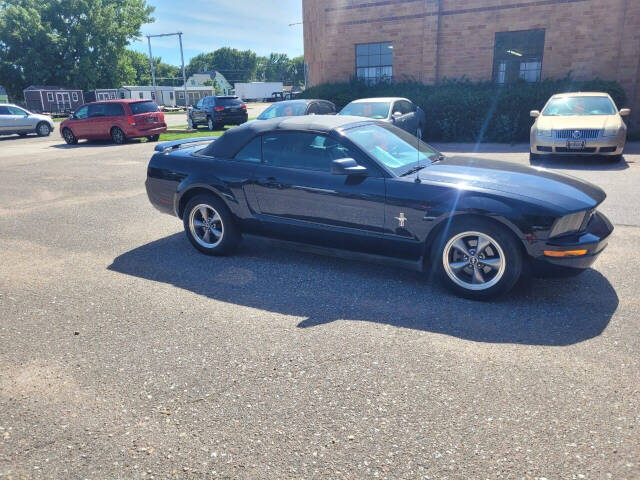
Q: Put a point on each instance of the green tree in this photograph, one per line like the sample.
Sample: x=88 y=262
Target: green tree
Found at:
x=217 y=89
x=68 y=42
x=133 y=69
x=235 y=65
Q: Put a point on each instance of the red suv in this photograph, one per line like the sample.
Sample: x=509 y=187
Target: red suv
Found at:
x=114 y=119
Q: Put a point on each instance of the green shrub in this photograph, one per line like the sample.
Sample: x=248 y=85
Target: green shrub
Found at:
x=465 y=111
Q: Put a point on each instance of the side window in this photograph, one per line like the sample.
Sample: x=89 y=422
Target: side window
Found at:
x=251 y=152
x=313 y=109
x=305 y=151
x=402 y=106
x=97 y=110
x=82 y=112
x=16 y=111
x=200 y=104
x=326 y=108
x=4 y=110
x=113 y=110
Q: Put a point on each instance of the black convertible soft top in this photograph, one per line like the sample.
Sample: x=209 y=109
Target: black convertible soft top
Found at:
x=233 y=140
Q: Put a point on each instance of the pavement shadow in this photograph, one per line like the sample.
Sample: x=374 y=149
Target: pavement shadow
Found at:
x=95 y=144
x=582 y=163
x=320 y=289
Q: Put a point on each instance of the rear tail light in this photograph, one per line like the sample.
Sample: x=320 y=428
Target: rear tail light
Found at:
x=244 y=107
x=219 y=109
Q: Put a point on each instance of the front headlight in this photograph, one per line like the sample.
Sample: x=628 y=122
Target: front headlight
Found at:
x=568 y=224
x=543 y=132
x=611 y=131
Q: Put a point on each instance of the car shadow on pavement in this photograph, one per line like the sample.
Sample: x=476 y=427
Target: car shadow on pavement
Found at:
x=320 y=289
x=582 y=163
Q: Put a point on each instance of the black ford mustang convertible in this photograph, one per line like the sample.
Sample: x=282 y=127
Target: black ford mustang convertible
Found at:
x=369 y=189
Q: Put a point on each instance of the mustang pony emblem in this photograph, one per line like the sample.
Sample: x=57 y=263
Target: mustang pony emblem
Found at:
x=401 y=219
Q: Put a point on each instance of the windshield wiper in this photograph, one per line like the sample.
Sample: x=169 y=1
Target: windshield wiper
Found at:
x=413 y=170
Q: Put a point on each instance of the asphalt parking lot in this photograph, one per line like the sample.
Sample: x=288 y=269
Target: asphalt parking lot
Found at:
x=124 y=354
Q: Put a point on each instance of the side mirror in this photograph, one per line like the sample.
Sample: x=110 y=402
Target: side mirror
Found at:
x=534 y=113
x=396 y=115
x=347 y=166
x=625 y=112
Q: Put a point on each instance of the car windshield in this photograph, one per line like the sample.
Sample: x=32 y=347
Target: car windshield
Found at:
x=396 y=149
x=143 y=107
x=289 y=109
x=377 y=110
x=578 y=106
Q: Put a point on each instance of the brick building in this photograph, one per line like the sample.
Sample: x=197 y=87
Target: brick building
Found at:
x=499 y=40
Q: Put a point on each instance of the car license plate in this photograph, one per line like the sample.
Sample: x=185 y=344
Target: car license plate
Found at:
x=575 y=144
x=233 y=109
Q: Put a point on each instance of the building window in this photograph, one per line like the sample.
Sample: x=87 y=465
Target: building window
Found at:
x=50 y=96
x=153 y=95
x=171 y=95
x=374 y=62
x=181 y=95
x=140 y=95
x=74 y=96
x=518 y=56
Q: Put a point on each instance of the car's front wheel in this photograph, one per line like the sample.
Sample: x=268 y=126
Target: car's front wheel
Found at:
x=209 y=225
x=43 y=129
x=69 y=137
x=117 y=136
x=153 y=138
x=477 y=259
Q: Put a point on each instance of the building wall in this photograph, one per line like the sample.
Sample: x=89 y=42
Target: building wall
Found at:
x=437 y=39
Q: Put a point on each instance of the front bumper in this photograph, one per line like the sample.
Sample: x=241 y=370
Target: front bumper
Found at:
x=600 y=146
x=594 y=240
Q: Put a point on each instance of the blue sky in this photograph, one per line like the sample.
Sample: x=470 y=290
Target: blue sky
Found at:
x=258 y=25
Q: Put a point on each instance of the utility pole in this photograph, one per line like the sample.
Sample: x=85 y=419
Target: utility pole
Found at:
x=153 y=70
x=184 y=77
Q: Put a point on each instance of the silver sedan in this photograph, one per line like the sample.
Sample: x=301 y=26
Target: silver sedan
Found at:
x=16 y=120
x=400 y=112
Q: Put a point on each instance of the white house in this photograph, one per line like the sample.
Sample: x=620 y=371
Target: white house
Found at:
x=198 y=80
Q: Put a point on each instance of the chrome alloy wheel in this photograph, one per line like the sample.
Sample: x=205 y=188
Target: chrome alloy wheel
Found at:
x=474 y=260
x=206 y=225
x=44 y=129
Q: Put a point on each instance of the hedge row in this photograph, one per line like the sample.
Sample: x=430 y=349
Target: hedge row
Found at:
x=465 y=111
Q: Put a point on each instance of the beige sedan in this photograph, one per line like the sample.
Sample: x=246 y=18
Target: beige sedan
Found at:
x=579 y=124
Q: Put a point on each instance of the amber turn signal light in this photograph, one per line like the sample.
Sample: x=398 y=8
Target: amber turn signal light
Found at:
x=565 y=253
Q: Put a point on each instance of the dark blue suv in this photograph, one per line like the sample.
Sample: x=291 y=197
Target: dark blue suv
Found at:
x=216 y=112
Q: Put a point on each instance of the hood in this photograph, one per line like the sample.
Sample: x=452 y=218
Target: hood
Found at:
x=562 y=192
x=598 y=122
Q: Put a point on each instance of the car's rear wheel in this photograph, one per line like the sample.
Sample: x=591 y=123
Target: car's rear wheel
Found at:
x=209 y=225
x=535 y=157
x=69 y=137
x=190 y=123
x=117 y=136
x=43 y=129
x=477 y=259
x=153 y=138
x=210 y=124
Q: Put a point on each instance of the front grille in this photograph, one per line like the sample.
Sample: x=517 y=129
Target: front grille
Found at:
x=578 y=134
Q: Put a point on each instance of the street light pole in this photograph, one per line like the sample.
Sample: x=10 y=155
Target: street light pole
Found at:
x=153 y=70
x=184 y=76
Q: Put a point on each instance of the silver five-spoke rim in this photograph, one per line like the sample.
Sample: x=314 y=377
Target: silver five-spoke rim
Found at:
x=68 y=136
x=474 y=260
x=206 y=225
x=44 y=129
x=118 y=135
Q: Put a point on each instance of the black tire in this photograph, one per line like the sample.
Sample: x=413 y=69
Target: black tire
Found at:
x=505 y=256
x=535 y=157
x=43 y=129
x=69 y=137
x=153 y=138
x=117 y=136
x=230 y=237
x=210 y=125
x=613 y=158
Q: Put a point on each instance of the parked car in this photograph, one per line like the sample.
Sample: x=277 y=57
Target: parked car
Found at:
x=401 y=112
x=295 y=108
x=16 y=120
x=579 y=123
x=216 y=112
x=345 y=184
x=118 y=120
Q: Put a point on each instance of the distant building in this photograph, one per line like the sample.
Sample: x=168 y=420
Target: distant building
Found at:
x=4 y=98
x=100 y=94
x=167 y=96
x=199 y=79
x=482 y=40
x=52 y=99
